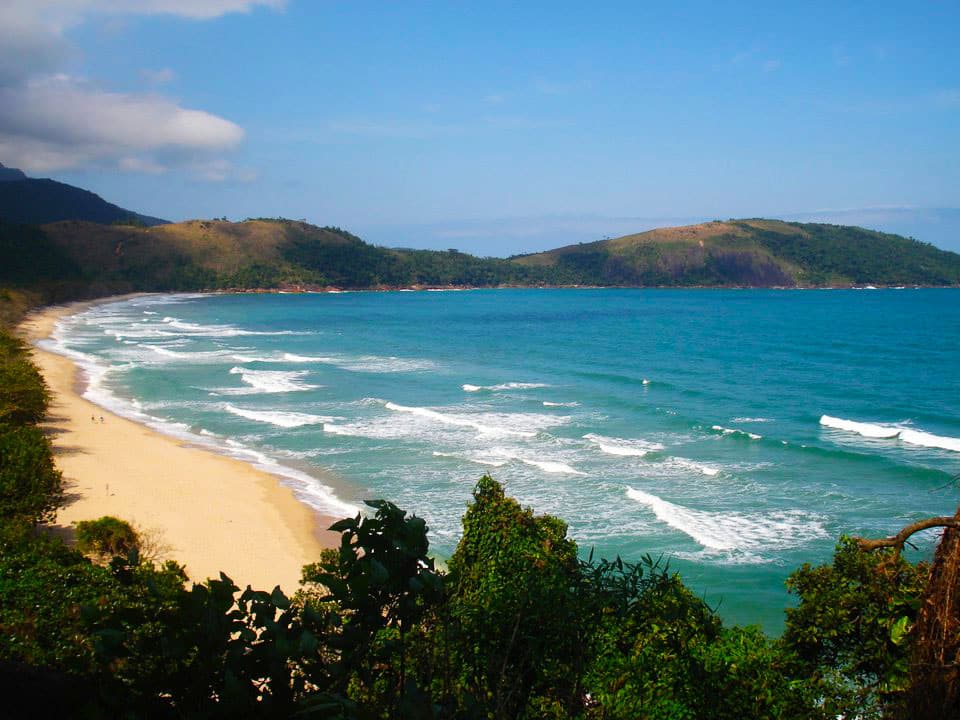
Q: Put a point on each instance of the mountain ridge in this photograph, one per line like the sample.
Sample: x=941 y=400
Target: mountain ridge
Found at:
x=38 y=201
x=271 y=253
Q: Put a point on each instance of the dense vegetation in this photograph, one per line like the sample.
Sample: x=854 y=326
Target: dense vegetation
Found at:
x=520 y=626
x=40 y=201
x=752 y=253
x=80 y=259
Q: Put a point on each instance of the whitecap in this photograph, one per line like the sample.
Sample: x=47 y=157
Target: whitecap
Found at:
x=503 y=386
x=694 y=465
x=272 y=381
x=458 y=420
x=869 y=430
x=547 y=403
x=730 y=532
x=473 y=459
x=735 y=432
x=200 y=330
x=278 y=417
x=548 y=466
x=890 y=432
x=626 y=448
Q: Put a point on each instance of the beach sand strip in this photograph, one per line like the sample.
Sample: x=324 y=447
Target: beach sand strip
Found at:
x=208 y=512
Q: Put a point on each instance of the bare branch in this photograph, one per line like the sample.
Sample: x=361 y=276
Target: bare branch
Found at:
x=897 y=541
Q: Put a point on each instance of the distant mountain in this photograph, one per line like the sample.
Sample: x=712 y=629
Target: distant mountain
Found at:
x=216 y=254
x=32 y=201
x=751 y=253
x=75 y=257
x=7 y=174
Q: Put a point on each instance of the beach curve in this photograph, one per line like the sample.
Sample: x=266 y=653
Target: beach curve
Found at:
x=210 y=512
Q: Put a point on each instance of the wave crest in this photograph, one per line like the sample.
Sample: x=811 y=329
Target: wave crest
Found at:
x=735 y=532
x=891 y=432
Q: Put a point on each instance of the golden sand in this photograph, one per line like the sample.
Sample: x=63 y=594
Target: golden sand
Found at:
x=212 y=513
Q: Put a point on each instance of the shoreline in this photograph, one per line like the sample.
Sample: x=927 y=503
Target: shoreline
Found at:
x=209 y=512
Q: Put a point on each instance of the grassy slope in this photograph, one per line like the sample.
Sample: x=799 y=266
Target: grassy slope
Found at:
x=210 y=254
x=80 y=259
x=755 y=253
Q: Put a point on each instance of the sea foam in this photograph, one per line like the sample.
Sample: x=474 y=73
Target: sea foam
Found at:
x=271 y=381
x=277 y=417
x=731 y=532
x=735 y=432
x=458 y=420
x=220 y=331
x=627 y=448
x=889 y=432
x=547 y=466
x=503 y=386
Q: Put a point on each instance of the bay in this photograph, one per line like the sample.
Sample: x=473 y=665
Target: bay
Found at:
x=735 y=433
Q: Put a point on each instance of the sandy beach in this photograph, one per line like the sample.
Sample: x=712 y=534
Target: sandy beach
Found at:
x=212 y=513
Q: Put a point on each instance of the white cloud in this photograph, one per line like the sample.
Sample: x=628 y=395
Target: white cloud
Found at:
x=51 y=121
x=56 y=16
x=135 y=132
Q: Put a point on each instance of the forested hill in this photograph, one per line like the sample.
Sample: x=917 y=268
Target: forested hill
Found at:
x=752 y=253
x=38 y=201
x=87 y=258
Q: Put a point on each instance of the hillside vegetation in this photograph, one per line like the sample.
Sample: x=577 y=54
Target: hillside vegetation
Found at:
x=79 y=259
x=30 y=200
x=214 y=254
x=751 y=253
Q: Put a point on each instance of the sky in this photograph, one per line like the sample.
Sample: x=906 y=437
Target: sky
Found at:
x=492 y=127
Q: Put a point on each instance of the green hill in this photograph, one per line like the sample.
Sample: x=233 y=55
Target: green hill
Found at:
x=215 y=254
x=33 y=201
x=751 y=253
x=72 y=258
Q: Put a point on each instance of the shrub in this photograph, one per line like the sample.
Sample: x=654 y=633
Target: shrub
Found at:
x=107 y=537
x=31 y=487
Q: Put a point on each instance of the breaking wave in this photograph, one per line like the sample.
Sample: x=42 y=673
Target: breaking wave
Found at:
x=271 y=381
x=277 y=417
x=890 y=432
x=503 y=386
x=732 y=532
x=628 y=448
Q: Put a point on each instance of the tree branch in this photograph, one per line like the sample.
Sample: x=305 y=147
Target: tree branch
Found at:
x=897 y=541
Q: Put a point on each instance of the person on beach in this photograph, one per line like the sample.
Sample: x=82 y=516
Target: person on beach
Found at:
x=101 y=419
x=92 y=419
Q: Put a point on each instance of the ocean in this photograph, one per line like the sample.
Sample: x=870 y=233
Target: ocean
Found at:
x=734 y=433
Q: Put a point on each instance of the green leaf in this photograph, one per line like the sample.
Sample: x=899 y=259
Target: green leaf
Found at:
x=899 y=630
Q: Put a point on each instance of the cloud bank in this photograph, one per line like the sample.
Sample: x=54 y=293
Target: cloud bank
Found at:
x=52 y=121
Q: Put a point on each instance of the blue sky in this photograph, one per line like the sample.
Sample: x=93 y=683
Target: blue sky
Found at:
x=493 y=127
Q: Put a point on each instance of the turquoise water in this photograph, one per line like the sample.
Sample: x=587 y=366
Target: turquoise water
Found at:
x=737 y=433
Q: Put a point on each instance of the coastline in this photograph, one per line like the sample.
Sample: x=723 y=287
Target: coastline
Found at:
x=209 y=512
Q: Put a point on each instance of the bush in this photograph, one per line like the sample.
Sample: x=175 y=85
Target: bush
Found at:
x=515 y=625
x=31 y=487
x=849 y=632
x=107 y=537
x=23 y=394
